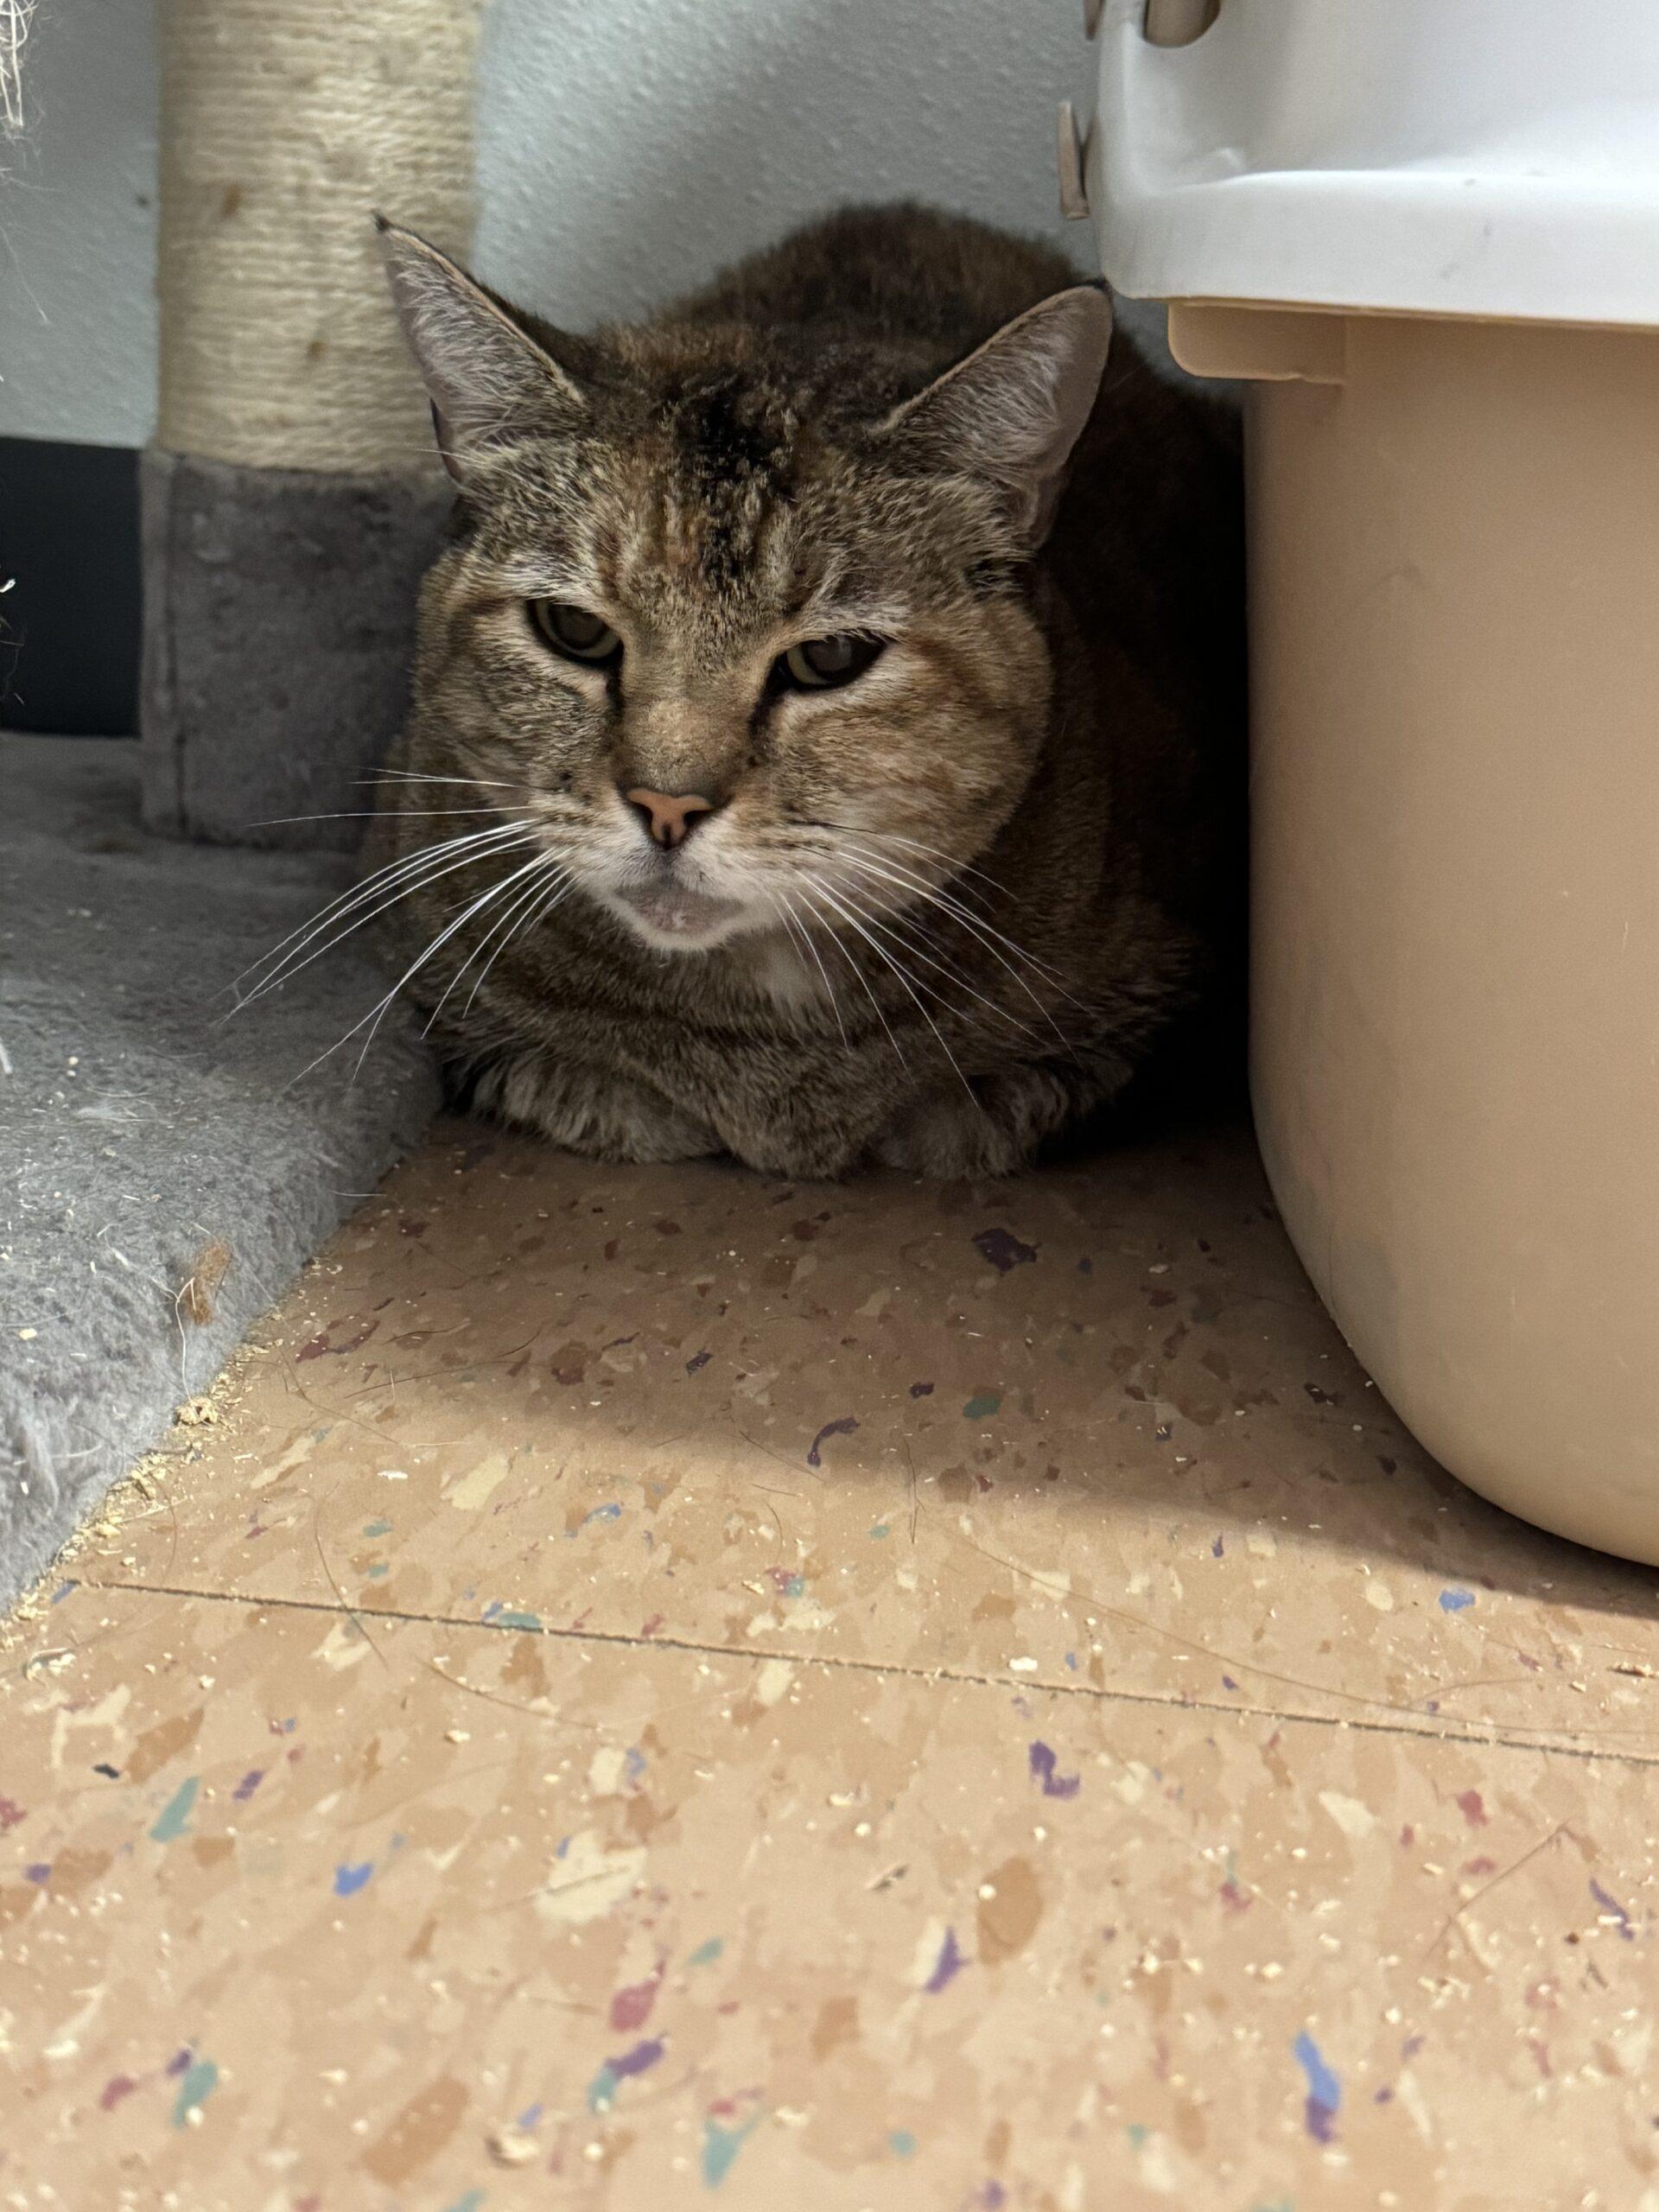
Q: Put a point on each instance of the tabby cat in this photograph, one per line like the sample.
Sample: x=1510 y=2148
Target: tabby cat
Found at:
x=827 y=707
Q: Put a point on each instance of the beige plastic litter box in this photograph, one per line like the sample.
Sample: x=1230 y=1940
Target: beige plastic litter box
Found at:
x=1427 y=236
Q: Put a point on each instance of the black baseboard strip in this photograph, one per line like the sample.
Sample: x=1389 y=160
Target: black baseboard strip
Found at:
x=69 y=613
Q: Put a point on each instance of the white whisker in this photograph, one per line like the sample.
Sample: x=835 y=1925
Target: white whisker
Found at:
x=954 y=869
x=374 y=899
x=513 y=905
x=810 y=943
x=380 y=892
x=800 y=934
x=551 y=901
x=410 y=776
x=882 y=952
x=911 y=937
x=373 y=1019
x=516 y=911
x=355 y=892
x=991 y=939
x=908 y=879
x=846 y=954
x=371 y=814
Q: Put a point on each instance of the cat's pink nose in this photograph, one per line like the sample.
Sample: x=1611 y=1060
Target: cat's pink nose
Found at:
x=670 y=817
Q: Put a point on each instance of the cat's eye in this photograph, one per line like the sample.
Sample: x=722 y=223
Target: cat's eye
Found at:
x=825 y=664
x=574 y=631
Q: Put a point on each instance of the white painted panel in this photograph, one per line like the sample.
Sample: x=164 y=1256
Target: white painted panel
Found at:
x=628 y=150
x=78 y=229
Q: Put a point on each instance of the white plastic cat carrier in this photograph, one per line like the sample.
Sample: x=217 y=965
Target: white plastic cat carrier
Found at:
x=1427 y=234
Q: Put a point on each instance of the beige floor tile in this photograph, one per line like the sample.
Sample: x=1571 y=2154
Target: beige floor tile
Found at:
x=299 y=1917
x=1088 y=1429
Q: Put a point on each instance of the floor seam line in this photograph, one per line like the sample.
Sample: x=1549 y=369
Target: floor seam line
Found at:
x=1090 y=1692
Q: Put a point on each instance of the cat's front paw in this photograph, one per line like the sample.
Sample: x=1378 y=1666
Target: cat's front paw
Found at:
x=953 y=1133
x=997 y=1125
x=585 y=1110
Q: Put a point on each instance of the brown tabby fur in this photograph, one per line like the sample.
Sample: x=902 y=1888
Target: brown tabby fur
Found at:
x=1051 y=743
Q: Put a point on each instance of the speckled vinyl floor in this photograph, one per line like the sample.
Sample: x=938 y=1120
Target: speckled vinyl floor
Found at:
x=656 y=1687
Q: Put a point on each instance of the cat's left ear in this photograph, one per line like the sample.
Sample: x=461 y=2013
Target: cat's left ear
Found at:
x=1013 y=410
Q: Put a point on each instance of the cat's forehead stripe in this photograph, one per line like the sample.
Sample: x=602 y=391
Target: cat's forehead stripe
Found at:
x=678 y=537
x=727 y=432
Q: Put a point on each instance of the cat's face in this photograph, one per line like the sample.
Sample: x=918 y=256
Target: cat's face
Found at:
x=740 y=637
x=728 y=711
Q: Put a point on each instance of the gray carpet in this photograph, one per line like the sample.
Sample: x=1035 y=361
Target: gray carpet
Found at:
x=164 y=1173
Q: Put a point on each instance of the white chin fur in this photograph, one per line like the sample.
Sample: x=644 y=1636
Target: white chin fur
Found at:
x=670 y=919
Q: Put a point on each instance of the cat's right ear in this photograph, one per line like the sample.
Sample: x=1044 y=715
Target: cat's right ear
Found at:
x=490 y=382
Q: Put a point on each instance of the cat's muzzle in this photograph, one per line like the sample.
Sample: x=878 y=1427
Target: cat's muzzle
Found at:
x=671 y=912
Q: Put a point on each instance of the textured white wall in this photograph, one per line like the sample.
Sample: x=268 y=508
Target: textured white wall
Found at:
x=627 y=148
x=78 y=229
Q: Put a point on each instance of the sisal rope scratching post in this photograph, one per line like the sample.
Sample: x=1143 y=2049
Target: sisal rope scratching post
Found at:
x=291 y=498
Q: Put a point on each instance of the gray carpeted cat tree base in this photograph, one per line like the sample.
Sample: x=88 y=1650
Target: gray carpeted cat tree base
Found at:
x=164 y=1170
x=279 y=618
